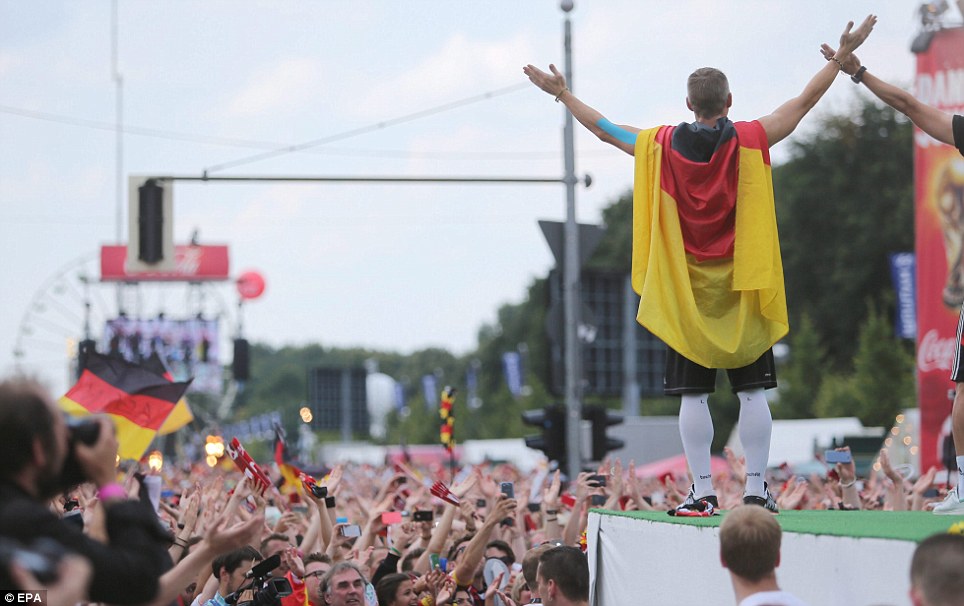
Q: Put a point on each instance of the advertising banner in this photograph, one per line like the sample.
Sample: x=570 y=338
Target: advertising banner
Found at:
x=191 y=263
x=939 y=224
x=902 y=274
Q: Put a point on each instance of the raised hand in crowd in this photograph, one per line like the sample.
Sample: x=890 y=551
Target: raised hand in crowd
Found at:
x=461 y=490
x=487 y=485
x=924 y=483
x=615 y=486
x=187 y=517
x=491 y=592
x=635 y=493
x=737 y=465
x=848 y=478
x=896 y=499
x=794 y=495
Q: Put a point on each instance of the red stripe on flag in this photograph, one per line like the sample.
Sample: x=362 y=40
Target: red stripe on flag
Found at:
x=98 y=396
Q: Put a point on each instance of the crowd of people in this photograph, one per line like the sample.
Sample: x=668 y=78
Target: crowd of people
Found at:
x=74 y=525
x=373 y=535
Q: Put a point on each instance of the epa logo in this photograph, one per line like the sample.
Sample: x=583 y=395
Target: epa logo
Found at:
x=25 y=597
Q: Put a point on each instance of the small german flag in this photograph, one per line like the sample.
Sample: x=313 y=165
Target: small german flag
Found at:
x=282 y=458
x=136 y=399
x=448 y=419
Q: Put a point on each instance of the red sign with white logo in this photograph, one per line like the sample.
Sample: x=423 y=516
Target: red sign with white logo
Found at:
x=191 y=264
x=939 y=241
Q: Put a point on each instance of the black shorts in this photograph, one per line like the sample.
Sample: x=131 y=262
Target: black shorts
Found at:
x=957 y=374
x=685 y=376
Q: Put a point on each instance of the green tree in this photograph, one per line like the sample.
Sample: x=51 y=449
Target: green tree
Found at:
x=882 y=383
x=845 y=201
x=883 y=372
x=801 y=377
x=837 y=397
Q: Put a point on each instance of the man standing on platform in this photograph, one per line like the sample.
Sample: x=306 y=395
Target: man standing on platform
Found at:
x=948 y=129
x=750 y=551
x=710 y=278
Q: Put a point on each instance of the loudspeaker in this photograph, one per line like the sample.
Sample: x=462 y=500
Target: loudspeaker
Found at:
x=241 y=366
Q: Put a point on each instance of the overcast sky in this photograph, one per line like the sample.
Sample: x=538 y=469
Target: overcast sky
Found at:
x=389 y=267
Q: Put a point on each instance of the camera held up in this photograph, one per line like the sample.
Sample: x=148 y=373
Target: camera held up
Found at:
x=83 y=430
x=263 y=590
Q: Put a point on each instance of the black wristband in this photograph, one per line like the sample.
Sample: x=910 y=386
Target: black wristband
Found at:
x=329 y=502
x=859 y=75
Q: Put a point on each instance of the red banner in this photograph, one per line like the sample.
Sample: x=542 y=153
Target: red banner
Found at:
x=191 y=264
x=939 y=242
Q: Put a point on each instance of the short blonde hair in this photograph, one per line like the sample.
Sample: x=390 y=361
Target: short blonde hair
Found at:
x=707 y=90
x=750 y=542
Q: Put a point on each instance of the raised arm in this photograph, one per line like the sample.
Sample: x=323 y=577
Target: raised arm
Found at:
x=929 y=119
x=623 y=137
x=779 y=124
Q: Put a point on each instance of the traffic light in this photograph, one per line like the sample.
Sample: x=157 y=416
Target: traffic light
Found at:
x=552 y=440
x=150 y=221
x=601 y=418
x=150 y=241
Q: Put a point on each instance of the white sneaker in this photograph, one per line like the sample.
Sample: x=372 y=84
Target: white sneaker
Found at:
x=951 y=505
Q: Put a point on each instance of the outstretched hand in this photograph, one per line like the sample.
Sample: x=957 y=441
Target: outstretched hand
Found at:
x=553 y=83
x=851 y=40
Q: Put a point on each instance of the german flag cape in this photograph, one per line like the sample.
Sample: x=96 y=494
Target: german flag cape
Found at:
x=720 y=307
x=137 y=400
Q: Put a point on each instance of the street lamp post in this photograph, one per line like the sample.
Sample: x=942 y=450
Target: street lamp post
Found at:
x=570 y=285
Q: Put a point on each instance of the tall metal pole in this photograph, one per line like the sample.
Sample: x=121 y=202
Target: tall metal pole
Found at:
x=119 y=123
x=119 y=138
x=570 y=284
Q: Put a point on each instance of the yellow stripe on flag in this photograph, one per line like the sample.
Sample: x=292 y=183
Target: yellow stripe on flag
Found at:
x=132 y=439
x=179 y=417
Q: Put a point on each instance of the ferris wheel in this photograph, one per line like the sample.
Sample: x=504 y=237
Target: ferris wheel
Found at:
x=74 y=305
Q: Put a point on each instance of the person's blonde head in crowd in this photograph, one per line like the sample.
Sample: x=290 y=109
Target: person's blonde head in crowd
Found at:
x=520 y=594
x=750 y=542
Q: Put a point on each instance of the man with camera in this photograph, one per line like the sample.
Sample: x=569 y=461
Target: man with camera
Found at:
x=36 y=446
x=231 y=570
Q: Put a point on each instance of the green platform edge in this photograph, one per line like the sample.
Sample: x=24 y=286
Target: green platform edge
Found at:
x=897 y=525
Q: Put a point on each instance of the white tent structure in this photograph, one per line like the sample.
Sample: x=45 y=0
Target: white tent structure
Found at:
x=795 y=441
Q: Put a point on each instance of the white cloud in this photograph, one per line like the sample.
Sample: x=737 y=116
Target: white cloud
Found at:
x=281 y=87
x=7 y=62
x=459 y=68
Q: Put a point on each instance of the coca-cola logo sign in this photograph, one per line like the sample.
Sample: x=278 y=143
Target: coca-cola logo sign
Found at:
x=935 y=353
x=188 y=260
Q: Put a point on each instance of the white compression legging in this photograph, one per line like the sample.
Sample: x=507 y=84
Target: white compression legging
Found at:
x=696 y=432
x=755 y=428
